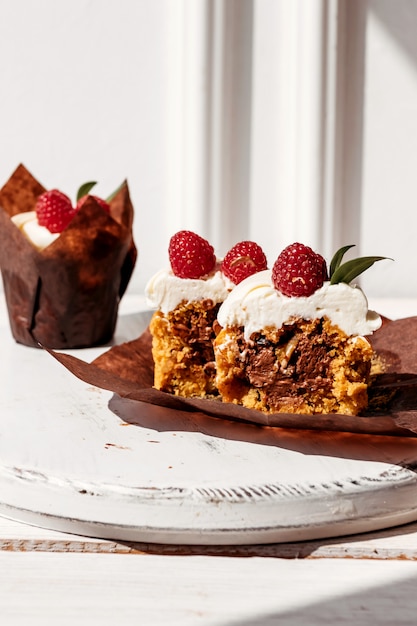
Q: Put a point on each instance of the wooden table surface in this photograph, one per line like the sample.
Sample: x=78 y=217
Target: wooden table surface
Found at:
x=47 y=577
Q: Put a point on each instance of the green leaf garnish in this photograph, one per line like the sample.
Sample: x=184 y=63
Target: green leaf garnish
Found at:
x=85 y=189
x=337 y=258
x=346 y=272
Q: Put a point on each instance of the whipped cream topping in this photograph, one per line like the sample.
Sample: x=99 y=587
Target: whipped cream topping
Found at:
x=255 y=304
x=165 y=291
x=38 y=235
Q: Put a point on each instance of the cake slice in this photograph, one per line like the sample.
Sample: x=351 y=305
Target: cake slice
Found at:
x=294 y=339
x=187 y=297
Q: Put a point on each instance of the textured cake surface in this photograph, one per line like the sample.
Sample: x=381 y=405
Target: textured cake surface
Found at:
x=301 y=367
x=182 y=349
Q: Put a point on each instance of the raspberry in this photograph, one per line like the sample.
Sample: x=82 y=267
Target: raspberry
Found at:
x=190 y=255
x=54 y=210
x=104 y=205
x=243 y=260
x=299 y=271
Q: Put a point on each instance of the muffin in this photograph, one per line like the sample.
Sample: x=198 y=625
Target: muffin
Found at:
x=187 y=297
x=64 y=268
x=293 y=339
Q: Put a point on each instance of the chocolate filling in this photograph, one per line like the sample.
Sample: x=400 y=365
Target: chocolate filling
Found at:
x=195 y=327
x=288 y=367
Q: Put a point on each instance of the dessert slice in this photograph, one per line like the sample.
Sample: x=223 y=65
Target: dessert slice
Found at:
x=293 y=339
x=187 y=297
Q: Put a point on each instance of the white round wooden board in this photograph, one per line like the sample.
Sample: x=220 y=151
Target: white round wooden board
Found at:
x=68 y=462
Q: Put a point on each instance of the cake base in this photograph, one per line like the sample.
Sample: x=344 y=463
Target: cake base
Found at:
x=182 y=349
x=303 y=367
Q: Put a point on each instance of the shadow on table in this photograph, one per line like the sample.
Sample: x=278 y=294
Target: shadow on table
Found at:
x=392 y=604
x=130 y=326
x=358 y=546
x=401 y=451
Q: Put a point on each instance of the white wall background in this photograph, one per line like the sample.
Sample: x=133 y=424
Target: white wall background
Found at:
x=83 y=97
x=389 y=147
x=277 y=120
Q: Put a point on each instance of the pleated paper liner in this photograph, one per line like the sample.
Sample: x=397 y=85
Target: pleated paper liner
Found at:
x=127 y=371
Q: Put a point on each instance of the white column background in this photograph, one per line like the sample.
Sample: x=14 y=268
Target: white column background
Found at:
x=274 y=120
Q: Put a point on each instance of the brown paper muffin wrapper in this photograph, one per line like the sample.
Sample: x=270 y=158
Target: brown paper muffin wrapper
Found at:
x=67 y=295
x=127 y=370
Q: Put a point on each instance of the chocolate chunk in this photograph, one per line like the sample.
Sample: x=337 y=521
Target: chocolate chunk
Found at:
x=260 y=368
x=289 y=367
x=312 y=356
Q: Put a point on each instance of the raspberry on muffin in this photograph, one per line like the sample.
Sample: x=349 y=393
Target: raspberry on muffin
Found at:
x=243 y=260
